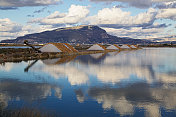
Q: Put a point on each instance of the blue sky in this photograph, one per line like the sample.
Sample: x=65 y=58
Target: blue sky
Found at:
x=140 y=19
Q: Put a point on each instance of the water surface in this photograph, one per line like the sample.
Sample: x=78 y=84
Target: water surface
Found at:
x=128 y=83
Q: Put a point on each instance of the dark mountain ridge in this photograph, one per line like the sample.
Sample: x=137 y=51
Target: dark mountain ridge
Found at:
x=84 y=34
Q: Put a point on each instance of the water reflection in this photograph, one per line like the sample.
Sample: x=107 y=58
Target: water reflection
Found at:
x=80 y=95
x=17 y=90
x=58 y=60
x=6 y=67
x=128 y=82
x=125 y=100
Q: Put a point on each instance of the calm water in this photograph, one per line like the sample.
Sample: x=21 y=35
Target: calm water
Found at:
x=130 y=83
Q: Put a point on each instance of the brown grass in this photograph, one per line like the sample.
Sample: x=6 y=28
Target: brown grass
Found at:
x=24 y=112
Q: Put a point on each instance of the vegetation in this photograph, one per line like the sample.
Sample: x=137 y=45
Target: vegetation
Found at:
x=15 y=44
x=25 y=112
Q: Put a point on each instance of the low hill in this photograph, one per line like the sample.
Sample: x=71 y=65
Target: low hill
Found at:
x=84 y=34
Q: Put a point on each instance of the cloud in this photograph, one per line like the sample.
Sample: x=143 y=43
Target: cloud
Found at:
x=6 y=25
x=143 y=25
x=116 y=18
x=167 y=14
x=112 y=19
x=156 y=26
x=8 y=8
x=137 y=3
x=152 y=31
x=121 y=23
x=30 y=15
x=11 y=30
x=23 y=3
x=166 y=5
x=40 y=10
x=119 y=6
x=75 y=14
x=134 y=3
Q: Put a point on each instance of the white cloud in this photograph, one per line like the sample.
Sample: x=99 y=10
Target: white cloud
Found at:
x=75 y=14
x=12 y=30
x=9 y=29
x=56 y=14
x=111 y=16
x=167 y=14
x=6 y=25
x=116 y=18
x=123 y=24
x=137 y=32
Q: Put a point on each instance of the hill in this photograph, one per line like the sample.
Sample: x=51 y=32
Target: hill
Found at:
x=84 y=34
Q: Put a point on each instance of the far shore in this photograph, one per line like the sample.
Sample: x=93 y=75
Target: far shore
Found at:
x=82 y=45
x=25 y=54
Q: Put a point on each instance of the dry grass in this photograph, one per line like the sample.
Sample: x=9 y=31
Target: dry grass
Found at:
x=24 y=112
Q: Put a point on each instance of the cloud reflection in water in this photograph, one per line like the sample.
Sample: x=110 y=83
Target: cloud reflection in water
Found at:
x=17 y=90
x=122 y=81
x=140 y=95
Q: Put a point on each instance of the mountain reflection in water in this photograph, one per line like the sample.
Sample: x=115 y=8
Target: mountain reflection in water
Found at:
x=135 y=83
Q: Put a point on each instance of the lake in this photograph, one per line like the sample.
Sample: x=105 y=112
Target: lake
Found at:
x=127 y=83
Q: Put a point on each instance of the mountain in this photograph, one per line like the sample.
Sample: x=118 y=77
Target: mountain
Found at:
x=84 y=34
x=166 y=40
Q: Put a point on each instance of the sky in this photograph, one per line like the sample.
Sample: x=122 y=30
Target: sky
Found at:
x=139 y=19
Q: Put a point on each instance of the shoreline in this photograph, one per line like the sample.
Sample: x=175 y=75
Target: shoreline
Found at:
x=25 y=54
